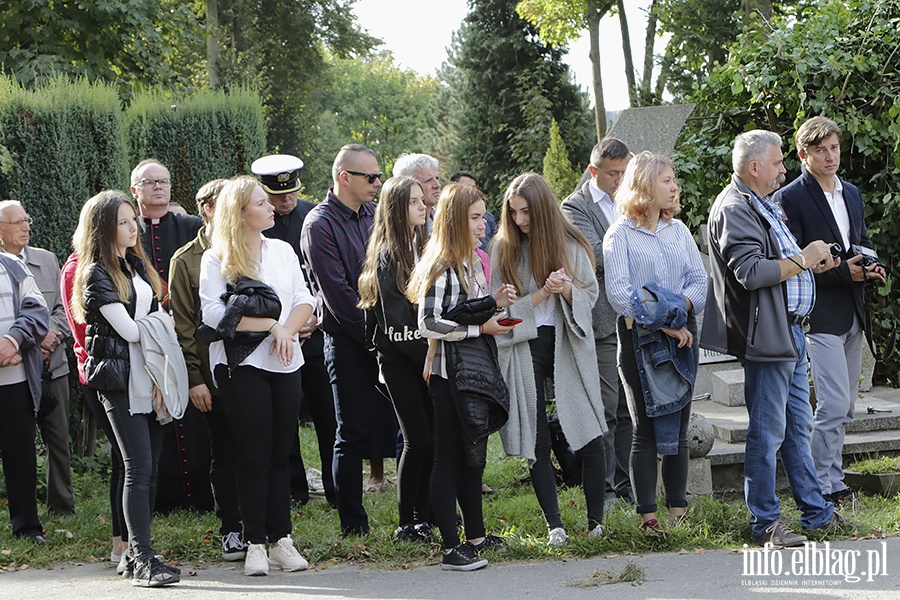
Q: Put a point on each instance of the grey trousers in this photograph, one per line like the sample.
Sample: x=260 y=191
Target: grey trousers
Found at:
x=617 y=441
x=55 y=433
x=836 y=362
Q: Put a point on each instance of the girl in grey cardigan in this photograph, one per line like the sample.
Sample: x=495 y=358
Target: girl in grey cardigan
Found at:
x=551 y=265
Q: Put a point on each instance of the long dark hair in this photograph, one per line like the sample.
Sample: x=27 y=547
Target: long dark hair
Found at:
x=97 y=244
x=549 y=232
x=393 y=239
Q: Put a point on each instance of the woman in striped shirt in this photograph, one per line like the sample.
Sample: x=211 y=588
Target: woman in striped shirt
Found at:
x=648 y=245
x=449 y=273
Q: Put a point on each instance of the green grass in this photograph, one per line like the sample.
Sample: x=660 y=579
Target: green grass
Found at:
x=713 y=522
x=877 y=466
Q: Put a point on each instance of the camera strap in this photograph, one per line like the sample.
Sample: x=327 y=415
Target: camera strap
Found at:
x=867 y=327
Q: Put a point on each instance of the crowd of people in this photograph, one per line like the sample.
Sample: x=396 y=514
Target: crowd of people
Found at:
x=413 y=332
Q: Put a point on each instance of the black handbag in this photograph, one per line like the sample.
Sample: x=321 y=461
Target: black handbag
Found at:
x=48 y=400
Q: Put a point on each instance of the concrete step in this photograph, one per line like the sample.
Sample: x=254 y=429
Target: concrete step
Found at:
x=730 y=422
x=727 y=459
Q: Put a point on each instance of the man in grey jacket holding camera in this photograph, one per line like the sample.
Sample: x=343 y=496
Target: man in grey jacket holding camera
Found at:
x=761 y=294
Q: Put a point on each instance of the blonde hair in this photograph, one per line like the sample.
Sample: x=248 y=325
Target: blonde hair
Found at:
x=548 y=233
x=229 y=230
x=95 y=242
x=638 y=189
x=450 y=245
x=393 y=239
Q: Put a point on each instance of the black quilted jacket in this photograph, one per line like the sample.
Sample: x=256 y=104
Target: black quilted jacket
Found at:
x=107 y=366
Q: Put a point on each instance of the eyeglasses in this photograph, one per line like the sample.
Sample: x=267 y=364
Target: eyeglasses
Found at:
x=370 y=176
x=27 y=220
x=153 y=182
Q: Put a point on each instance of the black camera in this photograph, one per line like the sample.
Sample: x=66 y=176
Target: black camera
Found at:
x=869 y=256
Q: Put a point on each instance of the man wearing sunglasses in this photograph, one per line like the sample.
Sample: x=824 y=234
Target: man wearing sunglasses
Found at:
x=333 y=242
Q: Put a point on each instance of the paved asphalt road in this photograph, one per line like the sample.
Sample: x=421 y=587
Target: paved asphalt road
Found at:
x=712 y=575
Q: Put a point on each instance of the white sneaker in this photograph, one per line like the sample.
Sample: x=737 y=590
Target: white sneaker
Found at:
x=283 y=555
x=256 y=562
x=557 y=537
x=596 y=532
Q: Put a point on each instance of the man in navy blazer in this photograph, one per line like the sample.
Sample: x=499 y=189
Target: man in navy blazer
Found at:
x=819 y=205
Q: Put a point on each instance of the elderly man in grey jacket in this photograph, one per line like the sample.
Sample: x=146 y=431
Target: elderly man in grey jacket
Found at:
x=15 y=233
x=24 y=321
x=591 y=208
x=758 y=304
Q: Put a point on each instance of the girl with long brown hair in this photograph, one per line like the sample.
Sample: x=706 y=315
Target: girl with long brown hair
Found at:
x=448 y=274
x=398 y=238
x=113 y=287
x=551 y=265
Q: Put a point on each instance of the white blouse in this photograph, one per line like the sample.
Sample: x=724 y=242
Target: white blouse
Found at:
x=280 y=269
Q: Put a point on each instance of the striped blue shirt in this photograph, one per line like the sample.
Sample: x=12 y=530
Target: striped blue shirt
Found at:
x=634 y=256
x=801 y=288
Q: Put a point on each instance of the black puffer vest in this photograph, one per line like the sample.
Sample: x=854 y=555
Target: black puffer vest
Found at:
x=107 y=366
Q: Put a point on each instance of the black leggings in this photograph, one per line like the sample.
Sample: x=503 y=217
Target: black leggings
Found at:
x=117 y=467
x=453 y=479
x=593 y=457
x=643 y=449
x=140 y=441
x=262 y=408
x=415 y=412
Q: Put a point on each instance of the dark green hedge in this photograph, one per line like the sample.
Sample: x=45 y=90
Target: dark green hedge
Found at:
x=203 y=137
x=63 y=142
x=59 y=145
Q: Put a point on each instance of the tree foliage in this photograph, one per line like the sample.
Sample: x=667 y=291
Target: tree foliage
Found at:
x=128 y=42
x=841 y=61
x=558 y=171
x=281 y=46
x=509 y=87
x=373 y=102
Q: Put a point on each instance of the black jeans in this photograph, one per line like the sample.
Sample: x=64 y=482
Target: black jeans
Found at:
x=140 y=441
x=359 y=407
x=19 y=459
x=593 y=457
x=318 y=400
x=117 y=466
x=643 y=450
x=262 y=408
x=415 y=412
x=223 y=468
x=452 y=479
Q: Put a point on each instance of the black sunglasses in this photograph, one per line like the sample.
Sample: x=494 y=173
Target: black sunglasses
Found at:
x=370 y=176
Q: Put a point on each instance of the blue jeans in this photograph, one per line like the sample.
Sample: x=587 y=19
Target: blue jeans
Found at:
x=777 y=397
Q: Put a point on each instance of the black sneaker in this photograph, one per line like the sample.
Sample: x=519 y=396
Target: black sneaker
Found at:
x=409 y=533
x=462 y=558
x=232 y=547
x=424 y=530
x=490 y=542
x=839 y=498
x=154 y=573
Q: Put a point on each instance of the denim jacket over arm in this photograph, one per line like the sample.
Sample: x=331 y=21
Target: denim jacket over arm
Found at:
x=666 y=371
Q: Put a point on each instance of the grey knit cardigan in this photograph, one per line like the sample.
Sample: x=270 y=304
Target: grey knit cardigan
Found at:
x=575 y=374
